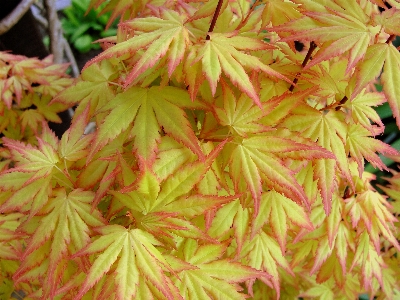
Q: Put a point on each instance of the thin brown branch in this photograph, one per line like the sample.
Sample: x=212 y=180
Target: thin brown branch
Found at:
x=343 y=101
x=253 y=6
x=305 y=61
x=390 y=39
x=55 y=31
x=214 y=19
x=12 y=18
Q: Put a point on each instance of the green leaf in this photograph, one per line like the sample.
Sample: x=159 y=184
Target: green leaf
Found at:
x=137 y=256
x=149 y=111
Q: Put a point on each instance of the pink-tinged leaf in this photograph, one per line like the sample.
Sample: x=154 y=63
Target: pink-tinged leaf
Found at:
x=197 y=204
x=67 y=226
x=34 y=194
x=323 y=252
x=333 y=219
x=241 y=225
x=134 y=246
x=208 y=9
x=391 y=78
x=389 y=19
x=172 y=118
x=342 y=33
x=202 y=254
x=74 y=144
x=187 y=229
x=279 y=177
x=158 y=37
x=324 y=173
x=41 y=160
x=361 y=146
x=213 y=277
x=241 y=114
x=231 y=271
x=362 y=110
x=223 y=52
x=341 y=245
x=276 y=209
x=93 y=89
x=279 y=12
x=243 y=167
x=370 y=67
x=222 y=222
x=287 y=102
x=329 y=131
x=123 y=111
x=184 y=179
x=149 y=111
x=264 y=254
x=356 y=44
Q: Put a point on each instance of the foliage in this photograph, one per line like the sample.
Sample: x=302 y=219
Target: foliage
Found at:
x=82 y=27
x=27 y=85
x=224 y=165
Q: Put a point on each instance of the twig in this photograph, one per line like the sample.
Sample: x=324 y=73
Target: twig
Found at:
x=12 y=18
x=54 y=31
x=390 y=39
x=253 y=6
x=305 y=61
x=214 y=19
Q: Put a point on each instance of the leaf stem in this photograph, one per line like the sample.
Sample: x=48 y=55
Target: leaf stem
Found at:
x=214 y=19
x=253 y=6
x=390 y=38
x=343 y=101
x=305 y=61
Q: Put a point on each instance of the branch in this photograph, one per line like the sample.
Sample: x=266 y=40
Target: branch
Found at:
x=390 y=39
x=55 y=32
x=305 y=61
x=12 y=18
x=214 y=19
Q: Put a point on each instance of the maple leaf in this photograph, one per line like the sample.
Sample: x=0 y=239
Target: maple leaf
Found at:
x=182 y=182
x=67 y=226
x=148 y=109
x=263 y=253
x=329 y=131
x=278 y=12
x=206 y=277
x=371 y=66
x=241 y=115
x=276 y=209
x=93 y=89
x=368 y=257
x=362 y=111
x=389 y=20
x=161 y=36
x=371 y=208
x=224 y=52
x=257 y=159
x=390 y=77
x=138 y=257
x=73 y=144
x=38 y=164
x=361 y=146
x=195 y=205
x=337 y=31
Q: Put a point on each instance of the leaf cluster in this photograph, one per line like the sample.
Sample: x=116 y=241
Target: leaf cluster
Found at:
x=224 y=165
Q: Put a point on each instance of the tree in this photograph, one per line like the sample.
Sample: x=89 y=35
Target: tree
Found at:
x=224 y=163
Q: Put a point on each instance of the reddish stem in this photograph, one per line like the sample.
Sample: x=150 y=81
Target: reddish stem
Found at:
x=343 y=101
x=305 y=61
x=214 y=19
x=390 y=39
x=253 y=6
